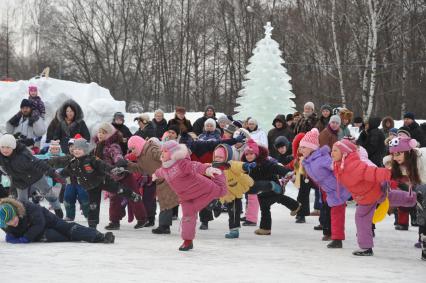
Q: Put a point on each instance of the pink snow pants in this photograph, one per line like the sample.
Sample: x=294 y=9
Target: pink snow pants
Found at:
x=190 y=208
x=252 y=211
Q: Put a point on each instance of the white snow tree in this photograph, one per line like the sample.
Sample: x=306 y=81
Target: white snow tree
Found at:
x=266 y=90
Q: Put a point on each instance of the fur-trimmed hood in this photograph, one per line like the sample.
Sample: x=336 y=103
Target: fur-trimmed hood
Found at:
x=61 y=113
x=346 y=114
x=20 y=209
x=388 y=119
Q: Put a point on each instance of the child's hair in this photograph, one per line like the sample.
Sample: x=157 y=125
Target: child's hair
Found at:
x=410 y=163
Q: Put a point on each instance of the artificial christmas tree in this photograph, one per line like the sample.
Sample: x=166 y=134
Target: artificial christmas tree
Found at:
x=266 y=90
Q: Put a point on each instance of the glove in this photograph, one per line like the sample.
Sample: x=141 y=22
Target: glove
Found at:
x=154 y=177
x=247 y=166
x=117 y=171
x=58 y=178
x=12 y=240
x=211 y=172
x=121 y=163
x=241 y=138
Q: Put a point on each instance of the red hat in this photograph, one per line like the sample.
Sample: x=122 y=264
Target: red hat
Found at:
x=251 y=146
x=295 y=144
x=346 y=146
x=311 y=139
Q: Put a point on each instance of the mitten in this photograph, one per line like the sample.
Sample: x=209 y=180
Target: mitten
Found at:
x=211 y=172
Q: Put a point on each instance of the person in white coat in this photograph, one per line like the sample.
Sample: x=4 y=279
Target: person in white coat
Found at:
x=258 y=135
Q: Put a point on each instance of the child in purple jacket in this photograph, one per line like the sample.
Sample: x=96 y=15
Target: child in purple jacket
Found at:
x=38 y=105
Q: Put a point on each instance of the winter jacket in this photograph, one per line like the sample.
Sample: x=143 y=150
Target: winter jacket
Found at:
x=318 y=166
x=23 y=168
x=417 y=133
x=373 y=141
x=160 y=128
x=147 y=132
x=38 y=106
x=305 y=124
x=328 y=137
x=66 y=131
x=109 y=151
x=210 y=136
x=33 y=220
x=199 y=124
x=147 y=163
x=259 y=136
x=274 y=133
x=89 y=170
x=238 y=182
x=385 y=130
x=186 y=178
x=125 y=135
x=322 y=123
x=362 y=181
x=184 y=125
x=421 y=205
x=21 y=126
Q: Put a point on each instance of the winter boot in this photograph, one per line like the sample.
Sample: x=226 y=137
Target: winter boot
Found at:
x=326 y=238
x=401 y=227
x=294 y=212
x=249 y=223
x=262 y=232
x=59 y=213
x=186 y=246
x=150 y=222
x=217 y=211
x=113 y=226
x=161 y=230
x=363 y=252
x=318 y=227
x=316 y=212
x=243 y=219
x=109 y=238
x=424 y=255
x=300 y=219
x=233 y=234
x=335 y=244
x=204 y=226
x=140 y=224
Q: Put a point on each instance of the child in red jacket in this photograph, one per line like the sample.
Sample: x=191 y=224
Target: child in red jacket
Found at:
x=365 y=184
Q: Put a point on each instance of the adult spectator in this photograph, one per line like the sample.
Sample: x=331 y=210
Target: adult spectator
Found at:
x=209 y=112
x=325 y=117
x=146 y=127
x=118 y=123
x=415 y=131
x=160 y=123
x=258 y=135
x=372 y=139
x=387 y=124
x=180 y=121
x=70 y=116
x=308 y=120
x=346 y=117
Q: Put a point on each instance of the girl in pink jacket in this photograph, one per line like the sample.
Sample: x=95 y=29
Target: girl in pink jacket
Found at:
x=190 y=181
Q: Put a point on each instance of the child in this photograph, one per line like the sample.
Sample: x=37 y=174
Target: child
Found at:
x=238 y=183
x=93 y=175
x=38 y=105
x=188 y=179
x=266 y=172
x=283 y=147
x=26 y=172
x=210 y=132
x=317 y=163
x=364 y=183
x=27 y=222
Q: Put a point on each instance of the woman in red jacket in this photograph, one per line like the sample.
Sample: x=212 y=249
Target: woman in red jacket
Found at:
x=365 y=184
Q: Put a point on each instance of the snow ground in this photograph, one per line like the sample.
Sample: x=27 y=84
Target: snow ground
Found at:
x=293 y=253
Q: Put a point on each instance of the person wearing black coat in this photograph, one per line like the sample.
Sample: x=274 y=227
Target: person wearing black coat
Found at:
x=280 y=129
x=70 y=116
x=160 y=123
x=27 y=222
x=414 y=128
x=146 y=127
x=373 y=139
x=118 y=123
x=26 y=172
x=180 y=121
x=209 y=112
x=283 y=147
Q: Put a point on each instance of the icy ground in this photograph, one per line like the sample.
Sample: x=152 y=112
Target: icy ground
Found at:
x=293 y=253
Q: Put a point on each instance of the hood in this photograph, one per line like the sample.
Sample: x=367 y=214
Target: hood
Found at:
x=388 y=119
x=374 y=123
x=228 y=150
x=296 y=142
x=79 y=116
x=20 y=209
x=280 y=118
x=281 y=141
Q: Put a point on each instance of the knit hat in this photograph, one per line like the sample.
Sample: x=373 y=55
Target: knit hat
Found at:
x=336 y=118
x=223 y=150
x=386 y=159
x=237 y=123
x=251 y=146
x=210 y=121
x=404 y=131
x=7 y=212
x=32 y=88
x=358 y=120
x=296 y=114
x=26 y=103
x=311 y=139
x=180 y=109
x=231 y=129
x=327 y=107
x=71 y=141
x=409 y=115
x=209 y=107
x=393 y=131
x=346 y=146
x=54 y=145
x=118 y=115
x=136 y=143
x=224 y=119
x=310 y=105
x=108 y=128
x=289 y=117
x=144 y=118
x=82 y=144
x=281 y=141
x=177 y=151
x=401 y=144
x=175 y=129
x=7 y=140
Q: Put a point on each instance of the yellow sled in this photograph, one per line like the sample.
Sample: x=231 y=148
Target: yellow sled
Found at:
x=381 y=211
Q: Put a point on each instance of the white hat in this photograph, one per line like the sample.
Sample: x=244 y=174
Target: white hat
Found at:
x=7 y=140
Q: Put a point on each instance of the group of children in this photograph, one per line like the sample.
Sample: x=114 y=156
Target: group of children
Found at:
x=238 y=166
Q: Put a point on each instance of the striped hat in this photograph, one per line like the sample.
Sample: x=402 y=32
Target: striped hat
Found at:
x=7 y=213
